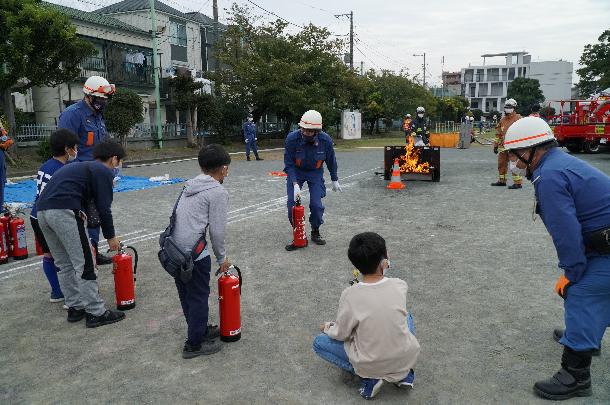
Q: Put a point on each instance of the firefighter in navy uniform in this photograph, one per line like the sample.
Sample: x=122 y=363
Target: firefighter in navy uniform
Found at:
x=419 y=129
x=573 y=200
x=305 y=152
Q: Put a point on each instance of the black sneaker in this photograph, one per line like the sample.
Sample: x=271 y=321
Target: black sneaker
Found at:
x=102 y=260
x=515 y=187
x=499 y=184
x=259 y=158
x=316 y=238
x=213 y=332
x=75 y=315
x=106 y=318
x=208 y=346
x=292 y=247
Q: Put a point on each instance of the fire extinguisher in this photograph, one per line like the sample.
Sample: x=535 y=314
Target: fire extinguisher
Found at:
x=124 y=267
x=5 y=220
x=3 y=245
x=229 y=297
x=299 y=237
x=18 y=242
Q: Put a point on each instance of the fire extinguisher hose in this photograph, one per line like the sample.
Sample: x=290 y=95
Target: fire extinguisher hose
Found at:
x=135 y=260
x=239 y=276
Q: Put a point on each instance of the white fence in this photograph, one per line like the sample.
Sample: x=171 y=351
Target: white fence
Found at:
x=448 y=126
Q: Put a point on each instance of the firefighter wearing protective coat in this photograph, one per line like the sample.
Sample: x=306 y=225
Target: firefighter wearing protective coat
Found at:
x=419 y=129
x=86 y=120
x=305 y=152
x=573 y=200
x=250 y=138
x=510 y=117
x=406 y=127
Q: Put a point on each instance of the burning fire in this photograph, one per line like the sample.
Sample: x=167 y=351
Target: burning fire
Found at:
x=411 y=160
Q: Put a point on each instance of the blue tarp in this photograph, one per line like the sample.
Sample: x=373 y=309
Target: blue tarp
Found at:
x=25 y=191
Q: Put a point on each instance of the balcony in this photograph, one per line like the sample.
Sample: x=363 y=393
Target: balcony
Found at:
x=117 y=72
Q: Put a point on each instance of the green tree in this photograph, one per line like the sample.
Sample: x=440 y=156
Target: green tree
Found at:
x=38 y=47
x=595 y=71
x=452 y=108
x=477 y=114
x=123 y=112
x=219 y=115
x=527 y=93
x=186 y=93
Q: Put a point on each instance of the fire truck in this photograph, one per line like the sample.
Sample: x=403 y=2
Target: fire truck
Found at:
x=583 y=125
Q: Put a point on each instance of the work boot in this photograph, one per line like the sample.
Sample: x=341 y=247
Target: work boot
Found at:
x=515 y=187
x=208 y=346
x=316 y=238
x=248 y=158
x=212 y=332
x=102 y=260
x=499 y=184
x=558 y=334
x=106 y=318
x=75 y=315
x=259 y=158
x=572 y=380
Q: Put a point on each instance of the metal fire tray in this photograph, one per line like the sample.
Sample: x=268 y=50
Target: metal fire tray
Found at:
x=430 y=154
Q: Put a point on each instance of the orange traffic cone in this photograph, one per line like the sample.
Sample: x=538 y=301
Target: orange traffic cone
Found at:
x=395 y=182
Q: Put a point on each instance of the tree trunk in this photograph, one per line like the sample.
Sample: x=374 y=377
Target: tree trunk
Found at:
x=377 y=127
x=189 y=129
x=9 y=111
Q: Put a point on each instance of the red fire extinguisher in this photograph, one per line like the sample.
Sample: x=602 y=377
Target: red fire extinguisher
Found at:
x=18 y=243
x=3 y=245
x=124 y=267
x=5 y=220
x=299 y=237
x=229 y=297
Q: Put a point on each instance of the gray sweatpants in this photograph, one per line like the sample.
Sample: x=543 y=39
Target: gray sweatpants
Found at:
x=69 y=244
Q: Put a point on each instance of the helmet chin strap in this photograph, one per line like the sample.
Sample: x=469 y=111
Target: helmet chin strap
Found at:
x=528 y=163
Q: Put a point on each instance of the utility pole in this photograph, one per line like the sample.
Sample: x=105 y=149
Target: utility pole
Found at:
x=153 y=20
x=361 y=68
x=215 y=43
x=351 y=37
x=424 y=55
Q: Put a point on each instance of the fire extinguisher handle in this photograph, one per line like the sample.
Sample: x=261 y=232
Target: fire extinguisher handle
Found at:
x=135 y=259
x=238 y=276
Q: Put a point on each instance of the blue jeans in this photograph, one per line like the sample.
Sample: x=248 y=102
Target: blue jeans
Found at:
x=194 y=300
x=251 y=144
x=333 y=350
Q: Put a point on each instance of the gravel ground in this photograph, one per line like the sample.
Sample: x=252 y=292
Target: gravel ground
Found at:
x=480 y=275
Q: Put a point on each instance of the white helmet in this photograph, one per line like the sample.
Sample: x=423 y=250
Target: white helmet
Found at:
x=97 y=86
x=408 y=115
x=421 y=109
x=471 y=118
x=311 y=120
x=511 y=102
x=527 y=132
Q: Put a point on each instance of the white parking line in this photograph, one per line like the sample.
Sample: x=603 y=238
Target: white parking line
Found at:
x=264 y=207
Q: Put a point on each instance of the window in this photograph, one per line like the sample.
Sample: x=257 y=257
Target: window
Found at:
x=177 y=34
x=474 y=104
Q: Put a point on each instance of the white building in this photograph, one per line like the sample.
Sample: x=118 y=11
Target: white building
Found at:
x=486 y=86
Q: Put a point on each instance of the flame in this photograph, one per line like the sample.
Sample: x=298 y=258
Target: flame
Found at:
x=411 y=160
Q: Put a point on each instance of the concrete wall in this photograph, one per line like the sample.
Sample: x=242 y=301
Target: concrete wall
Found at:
x=555 y=79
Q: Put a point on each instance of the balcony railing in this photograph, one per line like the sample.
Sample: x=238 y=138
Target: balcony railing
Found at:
x=116 y=72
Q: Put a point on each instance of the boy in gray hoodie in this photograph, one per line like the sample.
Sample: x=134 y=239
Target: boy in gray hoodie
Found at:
x=202 y=211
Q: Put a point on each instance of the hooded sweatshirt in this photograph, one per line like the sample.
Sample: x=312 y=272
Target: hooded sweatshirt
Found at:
x=204 y=203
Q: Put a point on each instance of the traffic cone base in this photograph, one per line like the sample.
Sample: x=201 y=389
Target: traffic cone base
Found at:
x=395 y=181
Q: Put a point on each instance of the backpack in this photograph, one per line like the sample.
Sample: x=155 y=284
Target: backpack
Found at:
x=175 y=261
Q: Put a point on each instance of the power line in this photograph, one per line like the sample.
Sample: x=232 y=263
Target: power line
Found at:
x=275 y=15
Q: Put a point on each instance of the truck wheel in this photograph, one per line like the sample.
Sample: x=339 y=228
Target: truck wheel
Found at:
x=591 y=147
x=574 y=147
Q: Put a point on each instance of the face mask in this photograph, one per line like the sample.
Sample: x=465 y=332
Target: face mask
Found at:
x=72 y=158
x=420 y=115
x=385 y=269
x=509 y=110
x=250 y=120
x=99 y=104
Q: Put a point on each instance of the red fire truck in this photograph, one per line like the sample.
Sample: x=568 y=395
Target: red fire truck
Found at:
x=583 y=125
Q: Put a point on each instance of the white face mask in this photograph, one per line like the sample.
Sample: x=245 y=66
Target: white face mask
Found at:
x=420 y=115
x=509 y=110
x=385 y=269
x=250 y=119
x=72 y=158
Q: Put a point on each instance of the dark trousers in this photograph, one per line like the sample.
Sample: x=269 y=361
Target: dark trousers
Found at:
x=194 y=300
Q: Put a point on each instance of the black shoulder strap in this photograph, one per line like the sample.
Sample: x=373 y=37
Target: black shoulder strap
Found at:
x=89 y=187
x=172 y=219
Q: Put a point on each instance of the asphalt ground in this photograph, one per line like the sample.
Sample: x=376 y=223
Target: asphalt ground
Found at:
x=480 y=274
